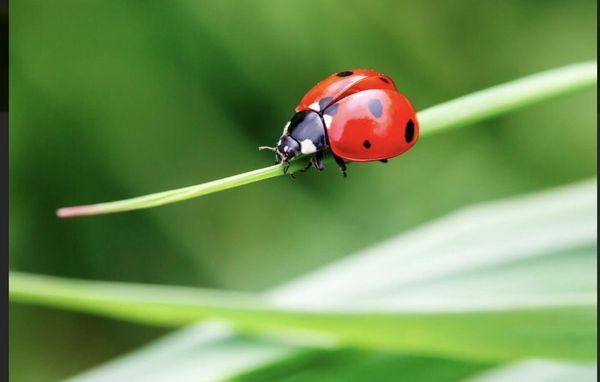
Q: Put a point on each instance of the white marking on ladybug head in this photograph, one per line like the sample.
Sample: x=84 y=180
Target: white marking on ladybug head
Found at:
x=307 y=147
x=286 y=148
x=285 y=129
x=315 y=106
x=327 y=119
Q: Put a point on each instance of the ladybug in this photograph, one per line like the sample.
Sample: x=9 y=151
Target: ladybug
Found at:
x=359 y=114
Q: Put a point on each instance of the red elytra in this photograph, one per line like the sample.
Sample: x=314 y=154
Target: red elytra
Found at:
x=366 y=118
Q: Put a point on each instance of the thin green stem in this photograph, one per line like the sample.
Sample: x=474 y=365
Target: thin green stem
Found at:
x=506 y=97
x=462 y=111
x=172 y=196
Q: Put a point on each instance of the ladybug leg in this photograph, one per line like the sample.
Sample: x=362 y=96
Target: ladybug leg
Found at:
x=286 y=167
x=384 y=161
x=341 y=165
x=317 y=161
x=305 y=169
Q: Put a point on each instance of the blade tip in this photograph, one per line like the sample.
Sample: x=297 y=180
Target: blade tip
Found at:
x=71 y=212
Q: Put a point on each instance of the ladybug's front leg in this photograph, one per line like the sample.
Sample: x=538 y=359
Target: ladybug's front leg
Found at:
x=286 y=167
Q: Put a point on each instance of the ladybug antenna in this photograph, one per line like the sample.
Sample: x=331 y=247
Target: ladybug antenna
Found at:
x=266 y=148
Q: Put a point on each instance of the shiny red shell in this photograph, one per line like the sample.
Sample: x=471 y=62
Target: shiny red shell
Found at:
x=366 y=118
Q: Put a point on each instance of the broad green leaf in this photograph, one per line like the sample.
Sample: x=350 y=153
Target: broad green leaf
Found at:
x=213 y=352
x=355 y=365
x=351 y=365
x=500 y=281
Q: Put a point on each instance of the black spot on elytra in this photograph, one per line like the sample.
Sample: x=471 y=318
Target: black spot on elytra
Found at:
x=375 y=107
x=331 y=110
x=409 y=132
x=384 y=80
x=345 y=73
x=324 y=102
x=367 y=144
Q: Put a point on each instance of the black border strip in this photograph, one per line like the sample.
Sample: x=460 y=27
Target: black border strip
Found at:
x=4 y=55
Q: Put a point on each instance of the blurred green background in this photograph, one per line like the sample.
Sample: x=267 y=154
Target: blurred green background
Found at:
x=111 y=99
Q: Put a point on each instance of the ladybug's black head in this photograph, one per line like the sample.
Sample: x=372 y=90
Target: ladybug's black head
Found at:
x=303 y=134
x=287 y=148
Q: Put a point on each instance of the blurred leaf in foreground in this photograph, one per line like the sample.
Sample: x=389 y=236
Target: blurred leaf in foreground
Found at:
x=213 y=352
x=500 y=281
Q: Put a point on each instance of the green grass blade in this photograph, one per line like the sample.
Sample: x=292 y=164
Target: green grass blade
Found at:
x=350 y=365
x=491 y=334
x=459 y=287
x=356 y=365
x=213 y=352
x=503 y=98
x=459 y=112
x=172 y=196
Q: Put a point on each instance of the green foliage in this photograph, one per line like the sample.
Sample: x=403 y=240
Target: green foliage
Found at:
x=461 y=290
x=353 y=365
x=112 y=98
x=213 y=352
